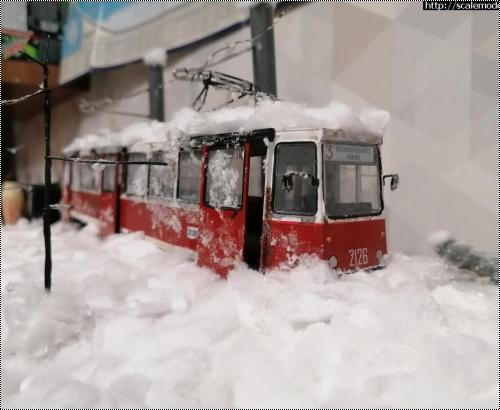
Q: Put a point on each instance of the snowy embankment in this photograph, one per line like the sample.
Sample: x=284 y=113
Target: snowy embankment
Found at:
x=129 y=325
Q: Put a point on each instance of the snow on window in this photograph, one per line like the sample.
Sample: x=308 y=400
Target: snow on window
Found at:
x=189 y=176
x=137 y=175
x=225 y=178
x=297 y=162
x=161 y=177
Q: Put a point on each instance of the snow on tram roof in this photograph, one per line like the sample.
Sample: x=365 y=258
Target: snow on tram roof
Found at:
x=268 y=114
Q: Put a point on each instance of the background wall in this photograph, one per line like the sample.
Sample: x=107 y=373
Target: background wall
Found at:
x=435 y=72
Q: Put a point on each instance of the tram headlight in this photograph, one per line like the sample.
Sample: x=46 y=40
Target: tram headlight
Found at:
x=333 y=262
x=380 y=256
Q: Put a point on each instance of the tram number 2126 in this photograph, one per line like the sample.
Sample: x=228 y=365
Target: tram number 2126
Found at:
x=358 y=257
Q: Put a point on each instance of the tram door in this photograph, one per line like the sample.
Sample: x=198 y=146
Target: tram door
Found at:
x=224 y=206
x=108 y=210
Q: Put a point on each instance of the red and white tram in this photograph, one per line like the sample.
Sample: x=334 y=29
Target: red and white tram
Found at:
x=267 y=197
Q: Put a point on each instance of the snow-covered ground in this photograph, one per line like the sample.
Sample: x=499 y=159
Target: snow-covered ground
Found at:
x=129 y=325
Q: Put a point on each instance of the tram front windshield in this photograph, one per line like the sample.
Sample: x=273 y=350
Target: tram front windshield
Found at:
x=351 y=180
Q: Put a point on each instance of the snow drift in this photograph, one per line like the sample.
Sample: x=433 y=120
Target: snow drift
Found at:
x=130 y=326
x=268 y=114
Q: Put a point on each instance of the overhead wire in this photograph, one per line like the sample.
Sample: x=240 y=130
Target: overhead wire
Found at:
x=229 y=102
x=89 y=107
x=236 y=43
x=23 y=98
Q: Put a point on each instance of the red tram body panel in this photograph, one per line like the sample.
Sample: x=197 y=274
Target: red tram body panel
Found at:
x=288 y=241
x=267 y=198
x=86 y=204
x=355 y=244
x=174 y=225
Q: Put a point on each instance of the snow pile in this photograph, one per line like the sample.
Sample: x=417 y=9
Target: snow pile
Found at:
x=439 y=238
x=281 y=115
x=156 y=57
x=463 y=256
x=145 y=132
x=130 y=326
x=250 y=4
x=268 y=114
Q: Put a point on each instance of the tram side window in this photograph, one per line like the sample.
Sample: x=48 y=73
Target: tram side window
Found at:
x=295 y=164
x=90 y=178
x=137 y=175
x=76 y=180
x=189 y=176
x=161 y=178
x=108 y=181
x=224 y=188
x=66 y=174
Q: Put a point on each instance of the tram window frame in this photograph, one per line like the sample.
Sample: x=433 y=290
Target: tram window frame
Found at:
x=277 y=184
x=199 y=156
x=144 y=191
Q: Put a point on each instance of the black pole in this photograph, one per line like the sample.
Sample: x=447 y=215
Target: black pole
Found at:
x=264 y=60
x=48 y=177
x=156 y=103
x=48 y=163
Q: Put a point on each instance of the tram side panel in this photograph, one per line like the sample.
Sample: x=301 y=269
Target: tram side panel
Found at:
x=289 y=241
x=86 y=203
x=173 y=225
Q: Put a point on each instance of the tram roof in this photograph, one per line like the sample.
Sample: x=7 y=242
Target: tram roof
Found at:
x=316 y=134
x=269 y=134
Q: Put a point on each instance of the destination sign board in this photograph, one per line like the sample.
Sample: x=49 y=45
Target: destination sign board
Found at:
x=348 y=153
